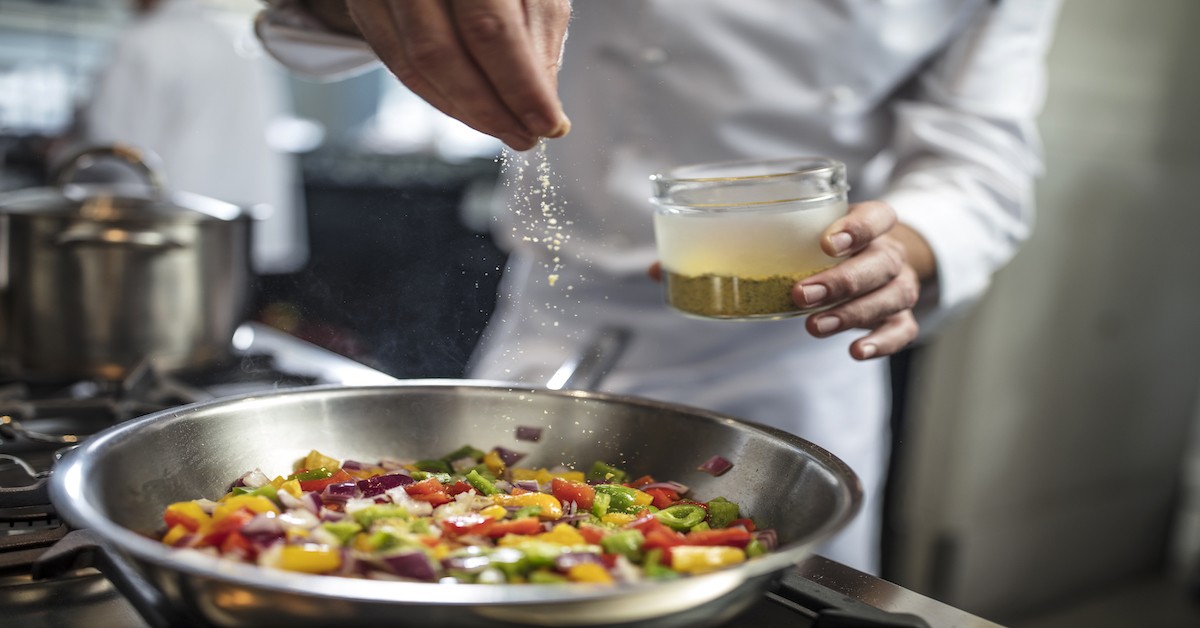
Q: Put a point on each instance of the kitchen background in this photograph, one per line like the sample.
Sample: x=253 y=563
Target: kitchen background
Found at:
x=1048 y=460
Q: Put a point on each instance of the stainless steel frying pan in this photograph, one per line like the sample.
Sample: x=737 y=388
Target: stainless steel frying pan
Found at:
x=118 y=483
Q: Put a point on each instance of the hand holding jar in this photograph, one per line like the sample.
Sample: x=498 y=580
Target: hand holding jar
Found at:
x=776 y=239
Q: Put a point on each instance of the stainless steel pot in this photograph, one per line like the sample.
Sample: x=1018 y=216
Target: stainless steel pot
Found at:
x=96 y=278
x=118 y=483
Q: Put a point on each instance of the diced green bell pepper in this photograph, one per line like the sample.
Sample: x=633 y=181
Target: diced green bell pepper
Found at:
x=627 y=543
x=722 y=512
x=343 y=530
x=466 y=451
x=433 y=466
x=681 y=516
x=621 y=498
x=481 y=484
x=266 y=490
x=755 y=548
x=369 y=515
x=603 y=472
x=319 y=473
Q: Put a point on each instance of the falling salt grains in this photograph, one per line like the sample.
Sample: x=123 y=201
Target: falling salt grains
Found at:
x=541 y=216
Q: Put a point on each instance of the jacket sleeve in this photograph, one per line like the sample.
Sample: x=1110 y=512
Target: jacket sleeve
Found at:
x=967 y=150
x=305 y=46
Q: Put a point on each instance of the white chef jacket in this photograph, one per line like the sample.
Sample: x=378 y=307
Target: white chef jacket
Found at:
x=201 y=98
x=930 y=103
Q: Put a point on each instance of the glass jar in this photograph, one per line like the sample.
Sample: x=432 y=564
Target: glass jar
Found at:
x=735 y=237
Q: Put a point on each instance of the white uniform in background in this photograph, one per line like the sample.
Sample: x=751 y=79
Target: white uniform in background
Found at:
x=201 y=96
x=930 y=104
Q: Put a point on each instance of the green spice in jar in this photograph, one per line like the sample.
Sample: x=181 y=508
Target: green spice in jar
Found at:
x=717 y=296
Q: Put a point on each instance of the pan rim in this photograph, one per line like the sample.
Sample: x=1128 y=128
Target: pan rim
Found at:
x=78 y=509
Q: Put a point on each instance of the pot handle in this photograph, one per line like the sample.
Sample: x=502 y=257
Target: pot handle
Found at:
x=144 y=162
x=85 y=548
x=119 y=237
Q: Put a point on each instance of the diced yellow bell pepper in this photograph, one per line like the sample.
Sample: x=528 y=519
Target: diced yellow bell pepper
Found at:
x=642 y=498
x=256 y=503
x=617 y=518
x=188 y=514
x=551 y=508
x=440 y=551
x=543 y=476
x=563 y=534
x=316 y=460
x=494 y=463
x=589 y=572
x=309 y=558
x=694 y=559
x=495 y=511
x=292 y=487
x=174 y=534
x=295 y=534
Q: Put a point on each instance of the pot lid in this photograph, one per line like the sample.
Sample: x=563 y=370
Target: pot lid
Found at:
x=116 y=198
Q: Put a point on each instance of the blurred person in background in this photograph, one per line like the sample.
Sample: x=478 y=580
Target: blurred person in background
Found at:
x=931 y=106
x=200 y=94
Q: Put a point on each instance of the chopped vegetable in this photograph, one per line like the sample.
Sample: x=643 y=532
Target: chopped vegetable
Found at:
x=469 y=517
x=716 y=466
x=532 y=434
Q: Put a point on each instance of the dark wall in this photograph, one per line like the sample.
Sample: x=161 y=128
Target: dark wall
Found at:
x=394 y=278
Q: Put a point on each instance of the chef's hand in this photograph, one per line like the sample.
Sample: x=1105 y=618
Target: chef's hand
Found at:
x=493 y=64
x=875 y=287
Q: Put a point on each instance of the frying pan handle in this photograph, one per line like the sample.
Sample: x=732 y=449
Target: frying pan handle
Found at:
x=586 y=370
x=85 y=548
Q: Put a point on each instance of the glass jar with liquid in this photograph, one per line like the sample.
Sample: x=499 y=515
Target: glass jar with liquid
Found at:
x=735 y=237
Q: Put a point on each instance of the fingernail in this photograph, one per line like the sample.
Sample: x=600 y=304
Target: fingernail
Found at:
x=841 y=242
x=562 y=129
x=869 y=351
x=826 y=324
x=814 y=293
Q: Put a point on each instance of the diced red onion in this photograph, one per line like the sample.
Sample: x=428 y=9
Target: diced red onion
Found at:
x=573 y=518
x=186 y=540
x=415 y=565
x=312 y=502
x=354 y=465
x=207 y=505
x=371 y=487
x=532 y=434
x=393 y=464
x=768 y=538
x=503 y=485
x=332 y=515
x=509 y=456
x=289 y=501
x=670 y=486
x=253 y=479
x=339 y=492
x=262 y=529
x=565 y=561
x=716 y=466
x=528 y=485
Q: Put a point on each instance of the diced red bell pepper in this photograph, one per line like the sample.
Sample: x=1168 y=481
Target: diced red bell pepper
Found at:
x=319 y=485
x=592 y=534
x=232 y=522
x=470 y=523
x=235 y=543
x=745 y=523
x=429 y=490
x=663 y=497
x=642 y=481
x=458 y=487
x=732 y=537
x=524 y=525
x=657 y=534
x=567 y=491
